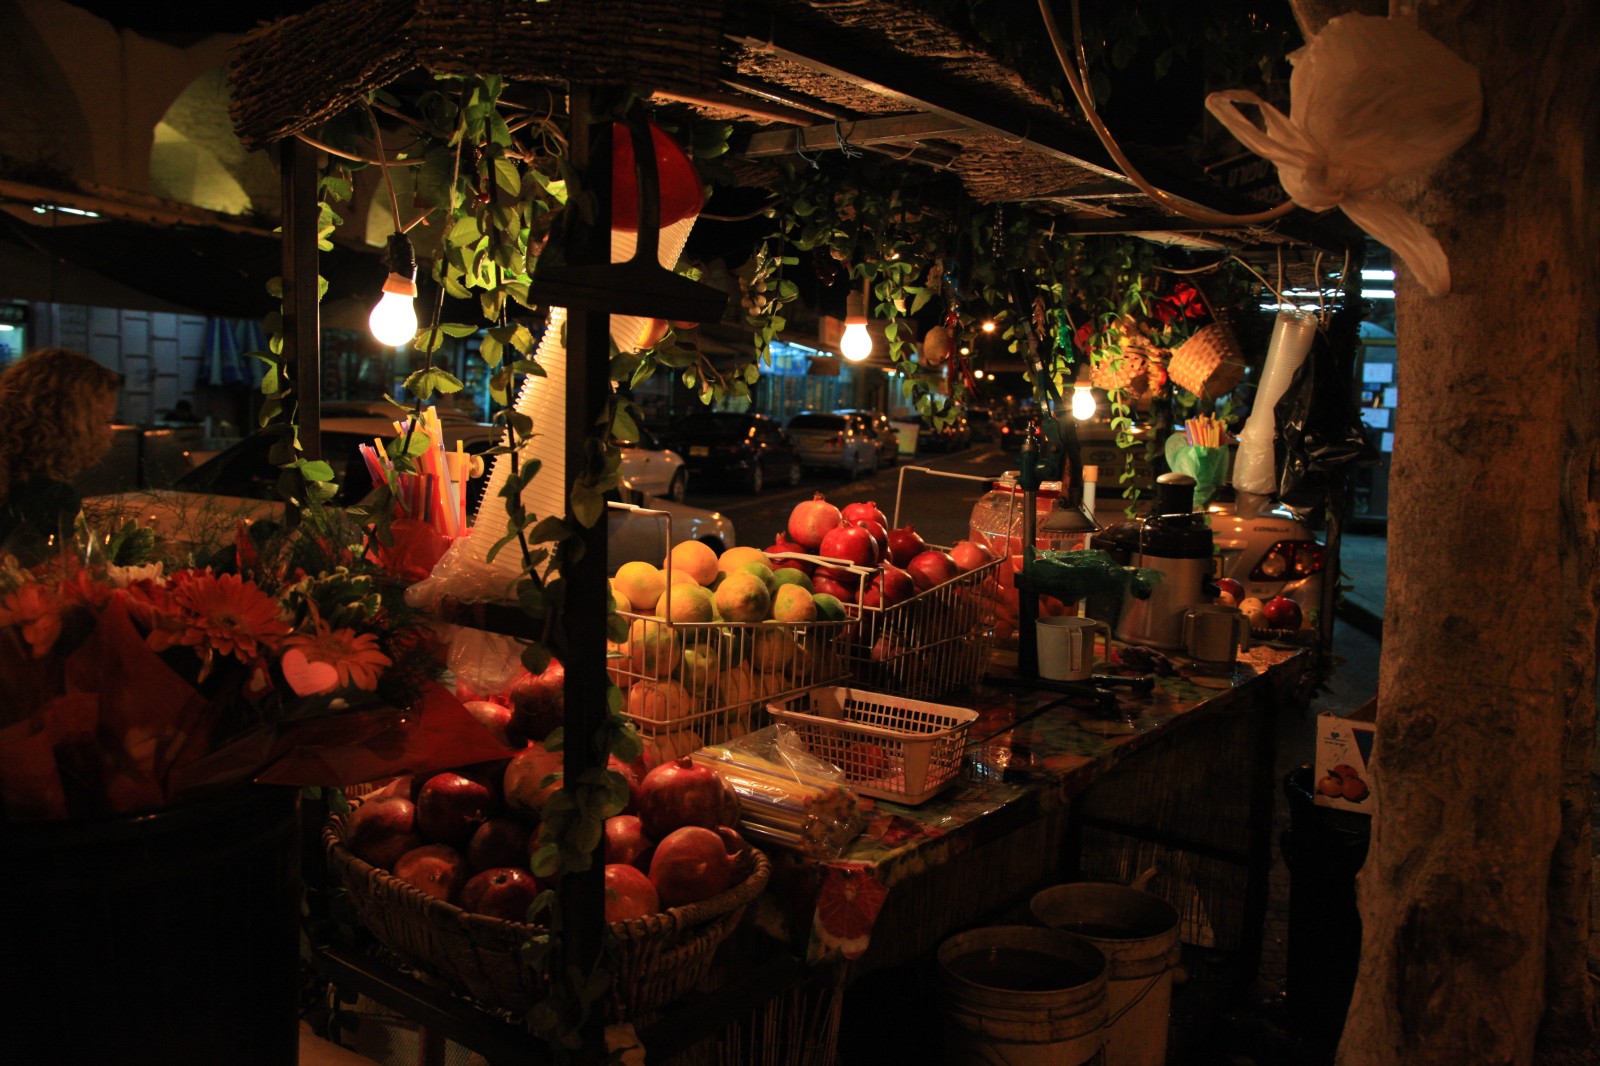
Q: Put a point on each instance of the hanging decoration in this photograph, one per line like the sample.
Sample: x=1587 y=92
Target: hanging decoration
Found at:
x=1372 y=100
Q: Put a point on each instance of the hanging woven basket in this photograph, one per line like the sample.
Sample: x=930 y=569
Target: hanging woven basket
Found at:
x=1208 y=364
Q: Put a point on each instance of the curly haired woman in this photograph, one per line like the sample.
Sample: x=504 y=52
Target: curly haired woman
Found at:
x=56 y=408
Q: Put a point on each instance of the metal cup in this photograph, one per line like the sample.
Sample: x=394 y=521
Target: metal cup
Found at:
x=1066 y=646
x=1215 y=633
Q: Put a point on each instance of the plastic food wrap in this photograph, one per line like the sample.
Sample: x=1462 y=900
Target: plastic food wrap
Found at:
x=787 y=796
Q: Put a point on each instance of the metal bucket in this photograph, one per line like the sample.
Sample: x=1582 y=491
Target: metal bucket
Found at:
x=1138 y=933
x=1022 y=996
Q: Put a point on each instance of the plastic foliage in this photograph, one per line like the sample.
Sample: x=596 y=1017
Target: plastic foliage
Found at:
x=1088 y=574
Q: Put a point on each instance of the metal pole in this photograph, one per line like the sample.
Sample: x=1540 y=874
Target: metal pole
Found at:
x=302 y=324
x=584 y=618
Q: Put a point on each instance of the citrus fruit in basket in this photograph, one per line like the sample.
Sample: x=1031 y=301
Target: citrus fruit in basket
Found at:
x=698 y=672
x=658 y=703
x=771 y=650
x=734 y=558
x=687 y=603
x=735 y=687
x=641 y=583
x=696 y=560
x=743 y=597
x=787 y=575
x=793 y=604
x=653 y=647
x=829 y=609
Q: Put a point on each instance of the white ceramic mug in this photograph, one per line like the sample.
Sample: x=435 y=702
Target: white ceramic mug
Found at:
x=1066 y=646
x=1214 y=633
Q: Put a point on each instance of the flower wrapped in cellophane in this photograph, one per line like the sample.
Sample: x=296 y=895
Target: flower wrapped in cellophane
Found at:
x=129 y=688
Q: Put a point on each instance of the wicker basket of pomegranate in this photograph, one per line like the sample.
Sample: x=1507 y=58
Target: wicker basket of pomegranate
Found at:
x=437 y=869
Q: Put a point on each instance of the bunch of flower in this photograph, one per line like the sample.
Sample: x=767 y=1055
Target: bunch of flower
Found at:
x=130 y=686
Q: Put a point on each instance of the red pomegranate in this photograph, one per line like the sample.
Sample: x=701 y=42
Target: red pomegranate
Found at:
x=811 y=520
x=905 y=545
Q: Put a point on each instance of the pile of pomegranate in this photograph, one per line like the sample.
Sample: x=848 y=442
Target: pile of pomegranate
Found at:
x=859 y=533
x=466 y=836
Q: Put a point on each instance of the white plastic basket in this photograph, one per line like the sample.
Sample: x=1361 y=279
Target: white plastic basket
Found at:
x=894 y=748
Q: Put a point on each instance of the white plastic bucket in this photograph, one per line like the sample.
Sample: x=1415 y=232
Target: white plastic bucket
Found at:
x=1138 y=933
x=1022 y=996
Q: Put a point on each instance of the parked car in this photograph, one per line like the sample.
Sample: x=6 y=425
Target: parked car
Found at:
x=882 y=428
x=654 y=469
x=239 y=484
x=750 y=449
x=950 y=437
x=647 y=465
x=1013 y=431
x=984 y=424
x=833 y=441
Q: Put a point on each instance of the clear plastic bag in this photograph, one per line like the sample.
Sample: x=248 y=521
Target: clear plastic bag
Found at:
x=787 y=796
x=1371 y=100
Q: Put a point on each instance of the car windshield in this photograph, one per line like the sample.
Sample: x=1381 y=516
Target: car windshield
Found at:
x=245 y=469
x=816 y=421
x=715 y=427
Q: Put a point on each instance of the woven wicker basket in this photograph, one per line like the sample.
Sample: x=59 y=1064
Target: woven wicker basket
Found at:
x=1208 y=364
x=658 y=957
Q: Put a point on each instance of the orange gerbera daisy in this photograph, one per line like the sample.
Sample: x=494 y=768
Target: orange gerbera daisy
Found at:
x=354 y=656
x=36 y=610
x=223 y=615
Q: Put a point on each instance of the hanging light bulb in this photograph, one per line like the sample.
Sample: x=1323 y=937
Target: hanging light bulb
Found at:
x=394 y=320
x=978 y=374
x=1083 y=402
x=856 y=344
x=988 y=325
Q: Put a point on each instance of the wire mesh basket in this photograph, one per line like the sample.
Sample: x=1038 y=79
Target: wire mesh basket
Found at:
x=934 y=642
x=893 y=748
x=713 y=680
x=689 y=683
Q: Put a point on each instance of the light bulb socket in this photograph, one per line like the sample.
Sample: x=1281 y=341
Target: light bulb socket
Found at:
x=855 y=309
x=401 y=261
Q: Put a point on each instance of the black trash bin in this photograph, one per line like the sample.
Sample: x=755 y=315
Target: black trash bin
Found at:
x=1324 y=850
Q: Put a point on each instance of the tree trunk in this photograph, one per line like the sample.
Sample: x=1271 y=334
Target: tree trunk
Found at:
x=1475 y=896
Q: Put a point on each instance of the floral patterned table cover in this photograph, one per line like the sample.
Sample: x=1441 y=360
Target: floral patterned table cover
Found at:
x=1029 y=752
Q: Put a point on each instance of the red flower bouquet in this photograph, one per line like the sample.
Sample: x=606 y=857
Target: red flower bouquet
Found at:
x=130 y=688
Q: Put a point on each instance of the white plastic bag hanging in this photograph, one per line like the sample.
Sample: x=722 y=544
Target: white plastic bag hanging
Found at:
x=1371 y=100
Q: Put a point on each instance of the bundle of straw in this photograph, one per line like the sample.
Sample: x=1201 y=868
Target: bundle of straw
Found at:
x=1204 y=431
x=436 y=493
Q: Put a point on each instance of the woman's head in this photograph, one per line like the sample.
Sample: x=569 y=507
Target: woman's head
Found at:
x=56 y=408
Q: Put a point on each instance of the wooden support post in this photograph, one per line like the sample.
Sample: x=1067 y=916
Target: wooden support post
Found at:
x=588 y=388
x=302 y=324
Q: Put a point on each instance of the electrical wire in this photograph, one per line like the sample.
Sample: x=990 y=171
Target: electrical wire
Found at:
x=1076 y=80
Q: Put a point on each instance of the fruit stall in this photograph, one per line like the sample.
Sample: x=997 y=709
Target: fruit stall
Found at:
x=686 y=806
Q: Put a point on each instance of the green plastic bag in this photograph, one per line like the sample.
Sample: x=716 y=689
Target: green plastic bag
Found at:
x=1208 y=467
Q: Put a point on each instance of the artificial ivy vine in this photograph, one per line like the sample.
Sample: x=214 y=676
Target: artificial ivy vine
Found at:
x=1056 y=302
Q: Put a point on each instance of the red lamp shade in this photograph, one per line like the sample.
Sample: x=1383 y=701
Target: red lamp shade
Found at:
x=680 y=185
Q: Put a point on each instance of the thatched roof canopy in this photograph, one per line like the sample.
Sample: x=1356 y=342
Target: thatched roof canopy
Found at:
x=877 y=75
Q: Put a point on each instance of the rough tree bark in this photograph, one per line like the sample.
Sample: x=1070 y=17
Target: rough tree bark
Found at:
x=1475 y=898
